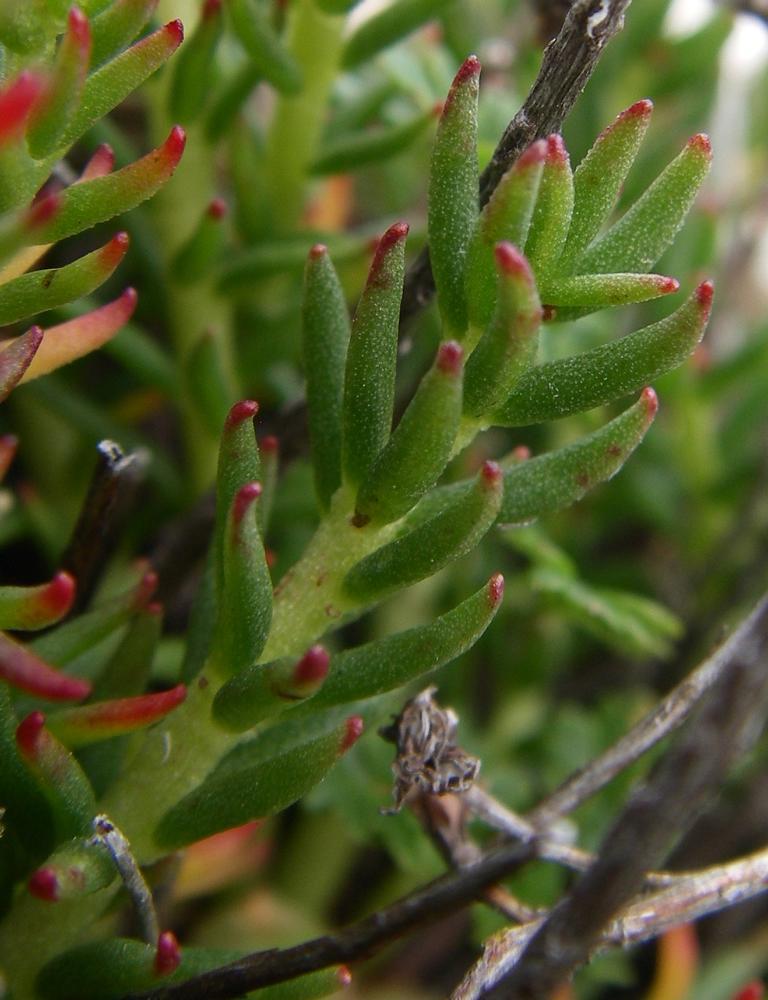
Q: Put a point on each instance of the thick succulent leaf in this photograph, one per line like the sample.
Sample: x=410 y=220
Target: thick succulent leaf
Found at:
x=550 y=482
x=208 y=381
x=16 y=357
x=30 y=608
x=325 y=336
x=191 y=83
x=17 y=100
x=420 y=553
x=268 y=689
x=117 y=26
x=74 y=339
x=108 y=970
x=452 y=212
x=85 y=204
x=58 y=776
x=110 y=85
x=419 y=449
x=64 y=87
x=554 y=207
x=75 y=869
x=388 y=663
x=560 y=388
x=598 y=178
x=21 y=668
x=386 y=27
x=506 y=217
x=369 y=379
x=78 y=635
x=645 y=231
x=239 y=463
x=598 y=291
x=200 y=254
x=46 y=289
x=508 y=346
x=350 y=152
x=247 y=789
x=103 y=720
x=244 y=600
x=265 y=49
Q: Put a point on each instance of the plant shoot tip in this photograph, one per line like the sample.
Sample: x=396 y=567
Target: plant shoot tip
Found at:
x=496 y=589
x=246 y=409
x=352 y=732
x=44 y=884
x=28 y=731
x=450 y=357
x=168 y=954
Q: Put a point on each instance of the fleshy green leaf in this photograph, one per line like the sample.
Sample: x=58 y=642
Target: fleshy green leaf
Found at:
x=507 y=216
x=558 y=479
x=244 y=600
x=420 y=446
x=118 y=25
x=239 y=464
x=64 y=88
x=349 y=152
x=554 y=207
x=267 y=689
x=420 y=553
x=198 y=255
x=265 y=49
x=24 y=670
x=29 y=608
x=508 y=346
x=388 y=663
x=386 y=27
x=103 y=720
x=75 y=869
x=325 y=336
x=45 y=289
x=191 y=83
x=369 y=381
x=599 y=291
x=598 y=178
x=248 y=788
x=645 y=231
x=560 y=388
x=453 y=210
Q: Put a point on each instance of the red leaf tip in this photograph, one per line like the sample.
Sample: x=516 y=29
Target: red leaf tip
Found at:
x=246 y=409
x=535 y=153
x=168 y=954
x=752 y=991
x=396 y=232
x=704 y=294
x=28 y=732
x=176 y=31
x=217 y=209
x=668 y=285
x=469 y=68
x=244 y=499
x=491 y=474
x=510 y=260
x=353 y=730
x=701 y=143
x=312 y=668
x=495 y=589
x=640 y=109
x=60 y=593
x=269 y=444
x=317 y=251
x=44 y=884
x=557 y=154
x=343 y=976
x=174 y=145
x=78 y=27
x=651 y=401
x=450 y=357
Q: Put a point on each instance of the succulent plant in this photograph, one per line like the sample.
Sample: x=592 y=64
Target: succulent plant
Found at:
x=267 y=702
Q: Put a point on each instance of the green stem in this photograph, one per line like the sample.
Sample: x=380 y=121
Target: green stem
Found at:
x=315 y=40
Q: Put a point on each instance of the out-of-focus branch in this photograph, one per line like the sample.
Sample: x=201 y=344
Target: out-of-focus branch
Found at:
x=688 y=897
x=569 y=61
x=726 y=725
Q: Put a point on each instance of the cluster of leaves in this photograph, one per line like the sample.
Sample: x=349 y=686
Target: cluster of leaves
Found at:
x=268 y=710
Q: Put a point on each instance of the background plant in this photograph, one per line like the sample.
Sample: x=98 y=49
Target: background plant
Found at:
x=221 y=317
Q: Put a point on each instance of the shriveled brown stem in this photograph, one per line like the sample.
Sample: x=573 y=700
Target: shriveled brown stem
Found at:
x=569 y=61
